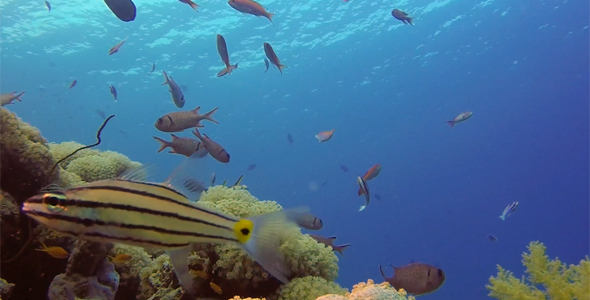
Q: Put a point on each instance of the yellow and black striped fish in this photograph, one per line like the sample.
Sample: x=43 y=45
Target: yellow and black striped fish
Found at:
x=158 y=215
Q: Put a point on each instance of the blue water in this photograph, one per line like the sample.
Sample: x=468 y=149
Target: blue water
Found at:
x=386 y=87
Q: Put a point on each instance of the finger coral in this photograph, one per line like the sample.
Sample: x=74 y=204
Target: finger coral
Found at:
x=559 y=281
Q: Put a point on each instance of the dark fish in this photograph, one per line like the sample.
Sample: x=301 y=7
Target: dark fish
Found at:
x=216 y=150
x=251 y=167
x=48 y=5
x=492 y=238
x=273 y=58
x=124 y=9
x=213 y=178
x=323 y=184
x=239 y=181
x=377 y=196
x=181 y=120
x=116 y=47
x=153 y=68
x=290 y=139
x=266 y=64
x=344 y=168
x=113 y=91
x=329 y=241
x=101 y=114
x=73 y=84
x=416 y=278
x=309 y=221
x=222 y=50
x=402 y=16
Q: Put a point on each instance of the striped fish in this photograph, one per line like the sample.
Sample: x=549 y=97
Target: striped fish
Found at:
x=158 y=215
x=365 y=190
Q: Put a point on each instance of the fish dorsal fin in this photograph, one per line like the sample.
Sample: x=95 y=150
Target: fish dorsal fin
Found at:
x=137 y=174
x=196 y=110
x=174 y=137
x=332 y=238
x=239 y=181
x=190 y=177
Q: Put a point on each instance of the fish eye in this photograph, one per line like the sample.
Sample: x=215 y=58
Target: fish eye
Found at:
x=441 y=273
x=160 y=121
x=54 y=202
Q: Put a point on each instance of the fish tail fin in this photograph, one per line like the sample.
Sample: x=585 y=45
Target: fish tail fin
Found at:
x=362 y=207
x=503 y=217
x=166 y=81
x=269 y=17
x=193 y=4
x=164 y=144
x=198 y=134
x=339 y=248
x=18 y=97
x=382 y=274
x=281 y=67
x=410 y=21
x=264 y=240
x=451 y=123
x=209 y=115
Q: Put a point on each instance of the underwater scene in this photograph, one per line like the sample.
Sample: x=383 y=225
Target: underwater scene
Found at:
x=294 y=150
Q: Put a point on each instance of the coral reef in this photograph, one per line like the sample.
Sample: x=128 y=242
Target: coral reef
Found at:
x=558 y=280
x=88 y=275
x=26 y=162
x=129 y=271
x=370 y=291
x=5 y=289
x=309 y=288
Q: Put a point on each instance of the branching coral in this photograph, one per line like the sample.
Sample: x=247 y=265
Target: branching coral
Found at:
x=560 y=282
x=309 y=288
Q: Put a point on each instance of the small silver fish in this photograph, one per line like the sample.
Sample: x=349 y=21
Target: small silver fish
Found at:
x=508 y=210
x=175 y=91
x=365 y=189
x=460 y=118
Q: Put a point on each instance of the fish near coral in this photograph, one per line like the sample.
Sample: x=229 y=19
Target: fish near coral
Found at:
x=402 y=16
x=175 y=91
x=460 y=118
x=57 y=252
x=199 y=274
x=325 y=136
x=183 y=146
x=309 y=222
x=250 y=7
x=121 y=258
x=216 y=150
x=181 y=120
x=130 y=211
x=215 y=288
x=329 y=241
x=116 y=48
x=416 y=278
x=190 y=3
x=222 y=50
x=272 y=56
x=6 y=99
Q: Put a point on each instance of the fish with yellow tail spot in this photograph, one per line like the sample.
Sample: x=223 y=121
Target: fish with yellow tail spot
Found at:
x=120 y=258
x=57 y=252
x=215 y=288
x=134 y=212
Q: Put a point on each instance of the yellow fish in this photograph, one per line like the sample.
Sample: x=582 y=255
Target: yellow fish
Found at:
x=121 y=258
x=215 y=288
x=199 y=273
x=57 y=252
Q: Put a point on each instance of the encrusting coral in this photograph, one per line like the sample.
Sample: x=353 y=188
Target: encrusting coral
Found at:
x=309 y=288
x=559 y=281
x=370 y=291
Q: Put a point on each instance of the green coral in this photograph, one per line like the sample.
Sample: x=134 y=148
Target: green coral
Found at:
x=26 y=162
x=372 y=291
x=309 y=288
x=559 y=281
x=306 y=257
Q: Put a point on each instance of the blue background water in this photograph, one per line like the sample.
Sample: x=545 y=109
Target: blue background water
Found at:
x=387 y=88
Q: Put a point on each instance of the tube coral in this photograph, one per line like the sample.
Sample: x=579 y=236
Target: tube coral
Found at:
x=559 y=281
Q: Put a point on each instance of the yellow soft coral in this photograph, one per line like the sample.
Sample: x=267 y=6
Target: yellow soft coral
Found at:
x=309 y=288
x=560 y=281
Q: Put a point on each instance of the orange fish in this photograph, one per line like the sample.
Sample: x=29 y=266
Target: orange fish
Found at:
x=416 y=278
x=199 y=273
x=370 y=174
x=325 y=136
x=191 y=3
x=215 y=288
x=121 y=258
x=272 y=56
x=250 y=7
x=222 y=50
x=57 y=252
x=115 y=48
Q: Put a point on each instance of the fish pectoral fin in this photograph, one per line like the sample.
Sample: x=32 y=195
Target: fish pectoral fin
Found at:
x=137 y=174
x=179 y=260
x=186 y=181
